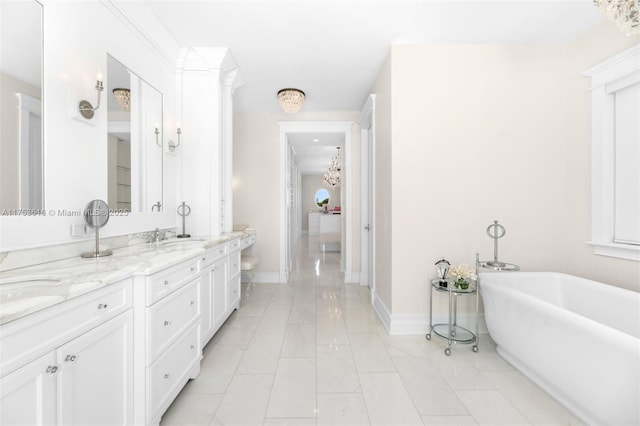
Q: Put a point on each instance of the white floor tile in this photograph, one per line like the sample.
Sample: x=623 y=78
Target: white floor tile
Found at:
x=262 y=354
x=430 y=393
x=370 y=354
x=537 y=406
x=191 y=410
x=336 y=369
x=245 y=402
x=294 y=389
x=299 y=341
x=346 y=409
x=387 y=400
x=491 y=408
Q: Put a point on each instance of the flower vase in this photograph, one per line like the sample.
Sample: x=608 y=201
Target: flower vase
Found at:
x=461 y=283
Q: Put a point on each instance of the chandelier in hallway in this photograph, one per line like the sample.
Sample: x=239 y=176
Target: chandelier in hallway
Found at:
x=333 y=178
x=290 y=100
x=625 y=13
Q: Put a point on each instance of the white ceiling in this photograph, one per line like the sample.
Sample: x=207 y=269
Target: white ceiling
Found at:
x=333 y=49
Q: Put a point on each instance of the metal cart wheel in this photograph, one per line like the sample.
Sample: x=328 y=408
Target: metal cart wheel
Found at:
x=428 y=336
x=447 y=351
x=475 y=348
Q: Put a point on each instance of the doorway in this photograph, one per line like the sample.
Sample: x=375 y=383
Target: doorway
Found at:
x=290 y=207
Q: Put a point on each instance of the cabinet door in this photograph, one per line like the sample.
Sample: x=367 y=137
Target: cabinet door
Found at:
x=207 y=320
x=220 y=301
x=233 y=293
x=96 y=380
x=28 y=395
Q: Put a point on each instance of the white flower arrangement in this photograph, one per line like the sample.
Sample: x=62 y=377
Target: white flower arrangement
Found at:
x=463 y=272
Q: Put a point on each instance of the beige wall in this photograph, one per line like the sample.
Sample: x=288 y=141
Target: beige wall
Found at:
x=466 y=134
x=478 y=135
x=256 y=170
x=591 y=48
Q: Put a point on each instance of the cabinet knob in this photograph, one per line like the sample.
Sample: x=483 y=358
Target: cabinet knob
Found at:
x=70 y=358
x=192 y=303
x=51 y=369
x=102 y=306
x=193 y=269
x=204 y=258
x=167 y=323
x=193 y=347
x=166 y=376
x=166 y=282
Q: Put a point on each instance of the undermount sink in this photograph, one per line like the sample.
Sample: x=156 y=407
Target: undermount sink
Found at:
x=23 y=294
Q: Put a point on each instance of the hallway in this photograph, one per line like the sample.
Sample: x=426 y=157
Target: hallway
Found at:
x=312 y=352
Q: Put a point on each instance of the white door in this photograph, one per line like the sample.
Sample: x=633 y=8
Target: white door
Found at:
x=367 y=124
x=28 y=395
x=369 y=209
x=96 y=377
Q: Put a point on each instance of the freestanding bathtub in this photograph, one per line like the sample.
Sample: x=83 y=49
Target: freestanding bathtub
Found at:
x=577 y=339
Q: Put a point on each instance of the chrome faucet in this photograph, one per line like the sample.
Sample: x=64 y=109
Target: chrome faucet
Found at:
x=158 y=205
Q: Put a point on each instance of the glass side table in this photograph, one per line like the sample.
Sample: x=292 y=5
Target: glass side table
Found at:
x=451 y=331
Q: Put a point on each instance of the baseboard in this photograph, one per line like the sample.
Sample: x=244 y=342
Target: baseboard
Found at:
x=416 y=324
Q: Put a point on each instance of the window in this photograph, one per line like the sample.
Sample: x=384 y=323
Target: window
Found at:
x=615 y=156
x=322 y=197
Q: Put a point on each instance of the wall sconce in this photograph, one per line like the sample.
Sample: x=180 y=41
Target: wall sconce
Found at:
x=157 y=132
x=85 y=108
x=172 y=145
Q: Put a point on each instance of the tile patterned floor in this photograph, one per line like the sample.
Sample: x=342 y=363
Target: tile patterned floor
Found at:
x=313 y=352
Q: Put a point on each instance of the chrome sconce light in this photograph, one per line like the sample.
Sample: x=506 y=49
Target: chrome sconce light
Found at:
x=85 y=108
x=172 y=144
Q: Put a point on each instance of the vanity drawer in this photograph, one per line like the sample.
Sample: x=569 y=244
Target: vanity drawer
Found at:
x=170 y=317
x=166 y=373
x=234 y=245
x=234 y=264
x=214 y=253
x=29 y=337
x=248 y=241
x=167 y=281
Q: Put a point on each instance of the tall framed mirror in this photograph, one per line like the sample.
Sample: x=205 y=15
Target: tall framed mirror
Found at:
x=21 y=134
x=135 y=141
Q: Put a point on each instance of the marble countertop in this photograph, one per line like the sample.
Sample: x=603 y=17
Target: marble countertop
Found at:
x=27 y=290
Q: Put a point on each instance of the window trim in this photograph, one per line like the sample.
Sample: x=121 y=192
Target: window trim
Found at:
x=605 y=73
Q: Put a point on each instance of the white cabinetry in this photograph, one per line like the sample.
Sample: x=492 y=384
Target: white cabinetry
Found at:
x=314 y=223
x=213 y=264
x=70 y=364
x=167 y=311
x=233 y=287
x=220 y=302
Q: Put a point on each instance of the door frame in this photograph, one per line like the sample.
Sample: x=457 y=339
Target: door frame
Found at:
x=367 y=131
x=287 y=127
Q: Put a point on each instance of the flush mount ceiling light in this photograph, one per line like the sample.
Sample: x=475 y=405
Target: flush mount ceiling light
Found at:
x=123 y=97
x=290 y=100
x=625 y=13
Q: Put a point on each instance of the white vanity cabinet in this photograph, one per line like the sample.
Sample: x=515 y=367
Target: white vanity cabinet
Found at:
x=70 y=364
x=233 y=287
x=213 y=264
x=168 y=353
